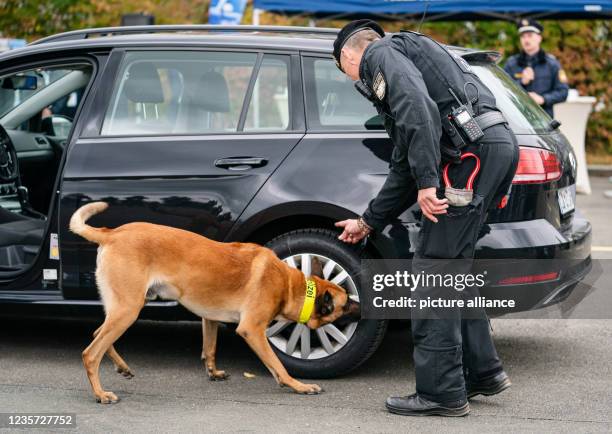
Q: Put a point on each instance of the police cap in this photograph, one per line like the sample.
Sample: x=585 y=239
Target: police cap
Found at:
x=349 y=30
x=529 y=25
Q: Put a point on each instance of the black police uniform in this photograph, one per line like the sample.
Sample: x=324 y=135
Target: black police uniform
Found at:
x=409 y=75
x=549 y=80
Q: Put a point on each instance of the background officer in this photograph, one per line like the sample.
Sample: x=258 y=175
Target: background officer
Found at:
x=414 y=83
x=538 y=72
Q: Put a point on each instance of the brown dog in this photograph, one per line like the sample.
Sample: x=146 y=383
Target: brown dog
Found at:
x=231 y=282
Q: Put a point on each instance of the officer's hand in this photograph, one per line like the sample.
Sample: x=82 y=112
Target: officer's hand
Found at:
x=352 y=232
x=430 y=204
x=527 y=76
x=539 y=99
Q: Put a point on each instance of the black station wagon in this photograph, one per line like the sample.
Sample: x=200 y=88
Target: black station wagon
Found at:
x=239 y=134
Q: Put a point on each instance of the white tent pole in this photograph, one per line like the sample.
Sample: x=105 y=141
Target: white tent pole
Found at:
x=256 y=13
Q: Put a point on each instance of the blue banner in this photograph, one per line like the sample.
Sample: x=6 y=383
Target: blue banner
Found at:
x=226 y=11
x=462 y=9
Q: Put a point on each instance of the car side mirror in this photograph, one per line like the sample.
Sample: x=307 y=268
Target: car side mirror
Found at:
x=374 y=123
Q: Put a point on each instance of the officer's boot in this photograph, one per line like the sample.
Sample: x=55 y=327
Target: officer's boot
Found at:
x=415 y=405
x=488 y=386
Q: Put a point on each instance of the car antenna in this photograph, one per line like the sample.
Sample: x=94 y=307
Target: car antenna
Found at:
x=423 y=17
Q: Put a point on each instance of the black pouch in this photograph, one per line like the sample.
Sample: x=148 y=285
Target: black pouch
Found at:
x=455 y=234
x=450 y=154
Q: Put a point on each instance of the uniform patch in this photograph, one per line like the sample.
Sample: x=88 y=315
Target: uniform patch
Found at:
x=562 y=76
x=461 y=62
x=380 y=87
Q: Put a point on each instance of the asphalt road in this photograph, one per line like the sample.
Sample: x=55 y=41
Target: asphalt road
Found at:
x=561 y=372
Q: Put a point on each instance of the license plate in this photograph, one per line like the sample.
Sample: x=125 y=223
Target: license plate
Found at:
x=566 y=196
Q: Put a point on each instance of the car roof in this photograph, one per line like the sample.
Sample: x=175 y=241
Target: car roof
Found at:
x=284 y=38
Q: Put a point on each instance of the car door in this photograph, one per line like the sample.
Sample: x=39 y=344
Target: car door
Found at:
x=185 y=138
x=29 y=270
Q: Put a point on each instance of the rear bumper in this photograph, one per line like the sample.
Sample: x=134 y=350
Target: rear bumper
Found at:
x=534 y=248
x=536 y=239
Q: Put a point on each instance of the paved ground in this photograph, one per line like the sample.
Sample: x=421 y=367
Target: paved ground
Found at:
x=598 y=209
x=561 y=369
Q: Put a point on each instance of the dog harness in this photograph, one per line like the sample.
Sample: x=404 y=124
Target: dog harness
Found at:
x=309 y=301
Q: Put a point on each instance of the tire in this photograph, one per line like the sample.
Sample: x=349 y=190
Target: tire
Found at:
x=364 y=336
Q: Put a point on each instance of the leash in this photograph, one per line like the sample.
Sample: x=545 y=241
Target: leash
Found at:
x=461 y=196
x=464 y=196
x=309 y=301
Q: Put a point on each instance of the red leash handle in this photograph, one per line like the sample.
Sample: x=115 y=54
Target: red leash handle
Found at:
x=473 y=175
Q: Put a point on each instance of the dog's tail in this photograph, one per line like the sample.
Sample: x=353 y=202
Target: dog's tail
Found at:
x=81 y=215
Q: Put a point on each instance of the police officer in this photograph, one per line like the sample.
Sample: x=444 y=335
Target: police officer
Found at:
x=415 y=84
x=538 y=72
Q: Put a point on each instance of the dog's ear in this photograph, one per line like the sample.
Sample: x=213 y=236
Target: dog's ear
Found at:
x=316 y=269
x=324 y=304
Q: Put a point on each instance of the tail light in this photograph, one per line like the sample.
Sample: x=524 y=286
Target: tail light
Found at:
x=532 y=278
x=536 y=165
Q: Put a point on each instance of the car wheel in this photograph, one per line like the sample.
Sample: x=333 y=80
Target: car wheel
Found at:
x=336 y=348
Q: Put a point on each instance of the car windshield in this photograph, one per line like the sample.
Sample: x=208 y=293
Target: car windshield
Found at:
x=523 y=114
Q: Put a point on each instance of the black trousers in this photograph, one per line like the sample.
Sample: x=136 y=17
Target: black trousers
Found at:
x=450 y=349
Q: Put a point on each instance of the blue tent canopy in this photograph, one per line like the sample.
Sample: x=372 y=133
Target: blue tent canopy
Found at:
x=442 y=9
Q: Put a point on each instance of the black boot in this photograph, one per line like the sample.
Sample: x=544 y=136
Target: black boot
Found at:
x=415 y=405
x=488 y=386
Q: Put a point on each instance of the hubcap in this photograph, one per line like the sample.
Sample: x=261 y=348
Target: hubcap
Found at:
x=299 y=341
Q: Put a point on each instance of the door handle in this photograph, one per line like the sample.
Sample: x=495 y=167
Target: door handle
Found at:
x=240 y=163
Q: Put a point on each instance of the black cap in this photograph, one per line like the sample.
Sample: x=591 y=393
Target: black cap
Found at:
x=529 y=25
x=349 y=30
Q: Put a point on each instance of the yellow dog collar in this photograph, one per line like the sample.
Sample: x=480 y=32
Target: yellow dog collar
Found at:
x=309 y=301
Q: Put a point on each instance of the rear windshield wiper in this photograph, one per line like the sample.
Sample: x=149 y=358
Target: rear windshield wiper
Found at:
x=553 y=125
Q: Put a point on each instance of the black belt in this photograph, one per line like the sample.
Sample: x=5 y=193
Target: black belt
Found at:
x=489 y=119
x=451 y=152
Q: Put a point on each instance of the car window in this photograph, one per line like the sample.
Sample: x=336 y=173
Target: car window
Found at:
x=17 y=88
x=43 y=99
x=523 y=114
x=269 y=106
x=332 y=102
x=179 y=92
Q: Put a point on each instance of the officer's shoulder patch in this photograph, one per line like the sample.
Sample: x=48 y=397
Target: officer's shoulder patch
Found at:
x=380 y=86
x=562 y=76
x=460 y=61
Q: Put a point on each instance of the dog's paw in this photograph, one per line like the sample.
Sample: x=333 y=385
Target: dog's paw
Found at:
x=310 y=389
x=107 y=398
x=125 y=372
x=218 y=376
